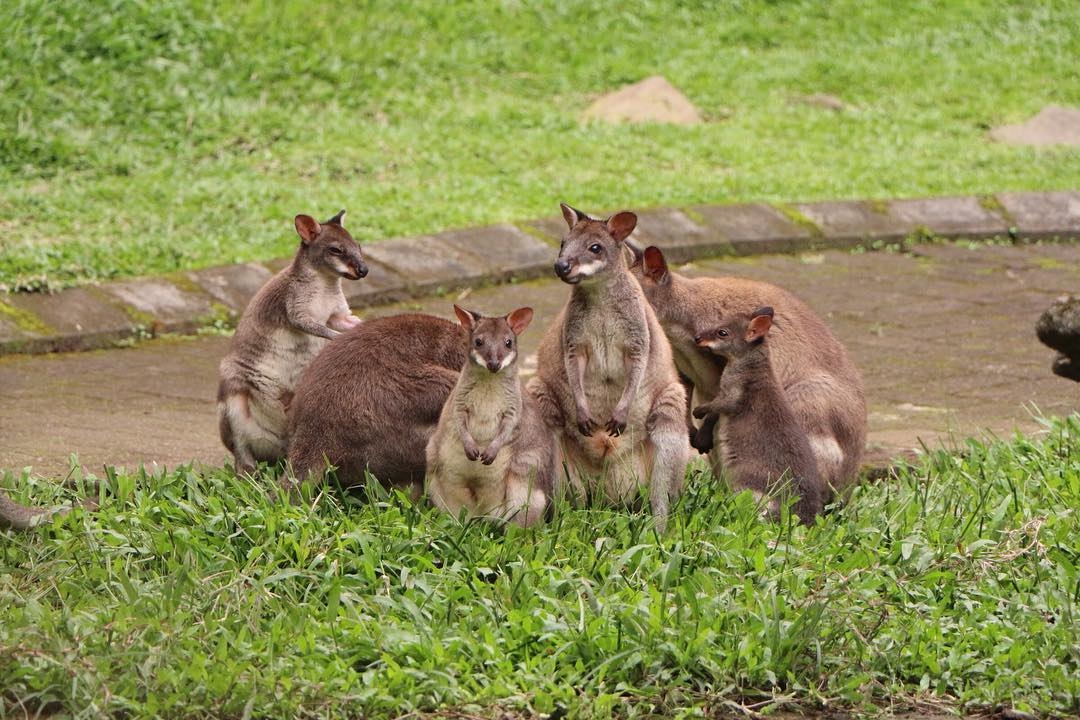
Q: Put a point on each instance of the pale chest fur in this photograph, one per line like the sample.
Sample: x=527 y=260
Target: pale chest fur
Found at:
x=288 y=353
x=485 y=403
x=605 y=348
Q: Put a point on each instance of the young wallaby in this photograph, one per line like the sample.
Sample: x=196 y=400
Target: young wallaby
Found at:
x=17 y=516
x=491 y=454
x=371 y=400
x=818 y=378
x=605 y=379
x=764 y=448
x=285 y=325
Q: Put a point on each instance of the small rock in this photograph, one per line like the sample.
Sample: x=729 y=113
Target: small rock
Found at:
x=1059 y=328
x=1053 y=125
x=653 y=99
x=821 y=100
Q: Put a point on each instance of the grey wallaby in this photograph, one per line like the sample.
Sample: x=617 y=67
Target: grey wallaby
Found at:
x=605 y=379
x=763 y=446
x=371 y=400
x=818 y=378
x=284 y=326
x=491 y=455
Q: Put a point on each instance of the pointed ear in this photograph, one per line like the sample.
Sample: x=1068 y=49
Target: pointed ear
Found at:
x=760 y=322
x=338 y=219
x=620 y=225
x=654 y=266
x=571 y=215
x=520 y=319
x=307 y=228
x=467 y=318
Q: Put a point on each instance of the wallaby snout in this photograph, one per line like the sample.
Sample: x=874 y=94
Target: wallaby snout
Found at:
x=562 y=269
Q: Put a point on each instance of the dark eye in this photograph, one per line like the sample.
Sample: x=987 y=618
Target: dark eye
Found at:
x=595 y=248
x=479 y=342
x=722 y=333
x=335 y=250
x=509 y=342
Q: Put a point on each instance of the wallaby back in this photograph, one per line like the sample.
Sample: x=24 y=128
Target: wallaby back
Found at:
x=371 y=400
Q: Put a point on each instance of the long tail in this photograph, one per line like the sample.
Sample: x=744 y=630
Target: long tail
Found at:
x=16 y=516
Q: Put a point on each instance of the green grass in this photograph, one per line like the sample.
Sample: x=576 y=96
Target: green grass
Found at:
x=955 y=586
x=146 y=137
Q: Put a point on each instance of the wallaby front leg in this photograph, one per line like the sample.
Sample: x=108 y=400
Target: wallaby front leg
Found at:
x=576 y=362
x=311 y=326
x=342 y=321
x=461 y=423
x=728 y=401
x=634 y=362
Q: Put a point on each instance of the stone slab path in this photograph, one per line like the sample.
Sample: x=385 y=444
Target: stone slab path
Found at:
x=944 y=336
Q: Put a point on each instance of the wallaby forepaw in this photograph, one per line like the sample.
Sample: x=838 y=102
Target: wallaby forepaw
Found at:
x=471 y=451
x=701 y=412
x=488 y=456
x=586 y=426
x=701 y=441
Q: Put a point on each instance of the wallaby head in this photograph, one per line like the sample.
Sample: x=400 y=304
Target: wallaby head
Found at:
x=592 y=247
x=737 y=337
x=493 y=340
x=329 y=247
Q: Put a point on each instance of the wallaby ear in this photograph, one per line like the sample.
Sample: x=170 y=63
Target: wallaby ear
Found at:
x=653 y=264
x=338 y=219
x=571 y=215
x=307 y=228
x=760 y=322
x=520 y=319
x=620 y=225
x=467 y=318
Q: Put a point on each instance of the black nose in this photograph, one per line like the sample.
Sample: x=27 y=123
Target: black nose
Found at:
x=493 y=366
x=562 y=268
x=361 y=269
x=697 y=339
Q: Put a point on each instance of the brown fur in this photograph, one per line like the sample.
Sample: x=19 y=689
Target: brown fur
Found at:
x=764 y=448
x=17 y=516
x=371 y=400
x=284 y=326
x=819 y=380
x=605 y=378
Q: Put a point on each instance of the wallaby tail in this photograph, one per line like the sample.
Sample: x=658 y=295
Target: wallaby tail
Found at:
x=16 y=516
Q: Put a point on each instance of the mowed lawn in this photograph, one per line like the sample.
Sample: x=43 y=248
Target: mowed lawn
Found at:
x=147 y=137
x=954 y=586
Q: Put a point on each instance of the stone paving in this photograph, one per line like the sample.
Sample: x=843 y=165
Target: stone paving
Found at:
x=944 y=336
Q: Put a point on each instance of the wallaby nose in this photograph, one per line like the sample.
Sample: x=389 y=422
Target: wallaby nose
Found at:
x=562 y=268
x=361 y=269
x=698 y=339
x=493 y=365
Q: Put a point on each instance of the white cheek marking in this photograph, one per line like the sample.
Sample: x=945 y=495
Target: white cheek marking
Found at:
x=475 y=355
x=590 y=268
x=340 y=267
x=507 y=360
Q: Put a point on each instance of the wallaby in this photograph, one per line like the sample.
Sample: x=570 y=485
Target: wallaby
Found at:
x=17 y=516
x=284 y=326
x=371 y=400
x=491 y=454
x=763 y=447
x=818 y=378
x=605 y=379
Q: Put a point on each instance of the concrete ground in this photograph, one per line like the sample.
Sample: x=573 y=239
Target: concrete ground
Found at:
x=944 y=336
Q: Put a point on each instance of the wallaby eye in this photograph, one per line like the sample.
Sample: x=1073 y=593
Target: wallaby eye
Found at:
x=479 y=342
x=722 y=333
x=335 y=250
x=509 y=342
x=595 y=248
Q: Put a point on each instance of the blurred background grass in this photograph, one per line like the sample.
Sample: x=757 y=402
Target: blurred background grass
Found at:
x=143 y=137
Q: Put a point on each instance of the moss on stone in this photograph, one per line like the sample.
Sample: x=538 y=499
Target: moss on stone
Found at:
x=24 y=319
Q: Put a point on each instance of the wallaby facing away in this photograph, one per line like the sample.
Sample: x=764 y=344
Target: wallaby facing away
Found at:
x=819 y=380
x=371 y=400
x=491 y=454
x=605 y=379
x=285 y=325
x=17 y=516
x=764 y=448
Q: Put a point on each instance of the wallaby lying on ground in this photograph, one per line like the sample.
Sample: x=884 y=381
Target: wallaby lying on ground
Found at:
x=605 y=379
x=371 y=400
x=491 y=454
x=819 y=380
x=17 y=516
x=763 y=447
x=284 y=326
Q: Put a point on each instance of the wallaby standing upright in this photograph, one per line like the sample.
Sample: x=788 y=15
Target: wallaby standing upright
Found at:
x=371 y=400
x=818 y=377
x=284 y=326
x=760 y=439
x=491 y=454
x=605 y=379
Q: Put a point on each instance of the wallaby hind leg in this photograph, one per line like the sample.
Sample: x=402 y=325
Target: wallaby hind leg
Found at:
x=525 y=502
x=670 y=449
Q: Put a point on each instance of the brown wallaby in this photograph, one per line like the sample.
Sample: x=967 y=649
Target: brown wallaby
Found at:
x=763 y=447
x=818 y=378
x=17 y=516
x=605 y=379
x=491 y=454
x=284 y=326
x=371 y=400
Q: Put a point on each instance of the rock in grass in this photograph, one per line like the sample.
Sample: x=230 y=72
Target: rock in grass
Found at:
x=1059 y=328
x=1053 y=125
x=653 y=99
